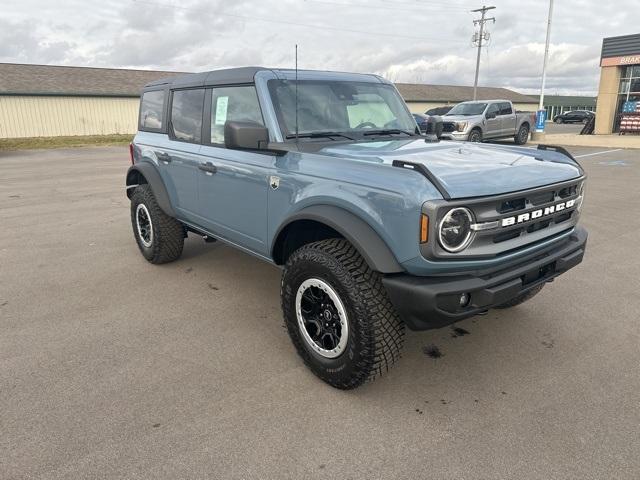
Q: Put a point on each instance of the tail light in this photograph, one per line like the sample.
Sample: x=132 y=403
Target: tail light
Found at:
x=131 y=152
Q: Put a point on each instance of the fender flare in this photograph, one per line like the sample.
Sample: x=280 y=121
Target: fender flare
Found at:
x=153 y=178
x=359 y=233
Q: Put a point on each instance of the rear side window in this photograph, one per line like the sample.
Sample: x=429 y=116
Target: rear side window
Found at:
x=236 y=104
x=505 y=108
x=151 y=108
x=186 y=115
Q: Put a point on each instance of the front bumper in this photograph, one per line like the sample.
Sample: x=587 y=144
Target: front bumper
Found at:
x=460 y=136
x=433 y=302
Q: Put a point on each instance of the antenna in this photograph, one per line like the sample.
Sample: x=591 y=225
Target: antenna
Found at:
x=296 y=93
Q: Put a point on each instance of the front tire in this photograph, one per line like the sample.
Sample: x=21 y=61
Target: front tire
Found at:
x=523 y=297
x=160 y=237
x=338 y=314
x=475 y=136
x=522 y=136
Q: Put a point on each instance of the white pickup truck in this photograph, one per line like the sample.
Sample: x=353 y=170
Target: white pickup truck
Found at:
x=487 y=119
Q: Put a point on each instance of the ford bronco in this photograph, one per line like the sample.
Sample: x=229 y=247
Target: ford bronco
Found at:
x=375 y=226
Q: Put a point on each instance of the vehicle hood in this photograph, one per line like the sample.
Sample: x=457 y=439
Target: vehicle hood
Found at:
x=468 y=169
x=460 y=118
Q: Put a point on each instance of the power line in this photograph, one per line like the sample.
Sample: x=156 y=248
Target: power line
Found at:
x=296 y=24
x=397 y=9
x=429 y=4
x=480 y=37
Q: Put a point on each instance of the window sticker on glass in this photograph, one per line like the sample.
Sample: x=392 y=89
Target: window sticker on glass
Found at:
x=221 y=110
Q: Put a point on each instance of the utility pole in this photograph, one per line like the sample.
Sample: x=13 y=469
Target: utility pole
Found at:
x=480 y=37
x=541 y=116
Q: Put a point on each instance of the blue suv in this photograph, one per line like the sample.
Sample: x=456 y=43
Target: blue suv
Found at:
x=375 y=226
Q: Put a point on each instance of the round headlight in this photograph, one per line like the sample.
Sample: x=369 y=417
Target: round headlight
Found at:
x=455 y=229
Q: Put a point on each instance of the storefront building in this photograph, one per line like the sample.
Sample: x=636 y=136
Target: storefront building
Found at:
x=557 y=104
x=619 y=91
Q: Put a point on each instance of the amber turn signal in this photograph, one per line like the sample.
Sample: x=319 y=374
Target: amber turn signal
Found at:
x=424 y=228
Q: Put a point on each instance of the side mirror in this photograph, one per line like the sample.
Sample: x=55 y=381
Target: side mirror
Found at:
x=491 y=115
x=433 y=129
x=245 y=135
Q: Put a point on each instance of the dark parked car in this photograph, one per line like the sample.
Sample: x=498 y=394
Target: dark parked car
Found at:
x=429 y=124
x=574 y=116
x=439 y=110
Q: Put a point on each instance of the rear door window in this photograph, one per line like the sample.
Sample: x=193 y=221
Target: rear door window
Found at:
x=236 y=104
x=186 y=115
x=151 y=110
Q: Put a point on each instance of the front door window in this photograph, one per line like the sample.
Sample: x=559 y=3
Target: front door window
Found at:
x=237 y=104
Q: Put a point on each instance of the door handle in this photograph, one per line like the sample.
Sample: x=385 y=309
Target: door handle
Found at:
x=208 y=168
x=163 y=157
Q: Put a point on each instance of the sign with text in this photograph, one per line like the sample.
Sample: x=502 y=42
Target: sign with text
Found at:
x=615 y=61
x=541 y=117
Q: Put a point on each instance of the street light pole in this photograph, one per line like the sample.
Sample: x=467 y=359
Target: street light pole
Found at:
x=541 y=117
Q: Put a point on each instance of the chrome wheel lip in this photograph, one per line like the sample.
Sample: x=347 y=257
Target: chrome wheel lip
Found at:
x=143 y=215
x=342 y=313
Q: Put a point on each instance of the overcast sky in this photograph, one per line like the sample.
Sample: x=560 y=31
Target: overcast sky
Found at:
x=405 y=40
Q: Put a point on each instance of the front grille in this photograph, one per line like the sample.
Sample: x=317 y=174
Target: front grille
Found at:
x=448 y=127
x=526 y=204
x=519 y=219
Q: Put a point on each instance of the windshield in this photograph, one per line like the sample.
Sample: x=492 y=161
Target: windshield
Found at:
x=468 y=109
x=339 y=106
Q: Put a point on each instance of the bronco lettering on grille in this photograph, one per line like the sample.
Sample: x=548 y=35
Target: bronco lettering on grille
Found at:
x=543 y=212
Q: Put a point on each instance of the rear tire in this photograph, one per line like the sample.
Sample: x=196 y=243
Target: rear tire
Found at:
x=522 y=136
x=338 y=314
x=159 y=236
x=558 y=120
x=523 y=297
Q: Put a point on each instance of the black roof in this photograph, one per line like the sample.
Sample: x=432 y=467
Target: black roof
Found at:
x=216 y=77
x=620 y=46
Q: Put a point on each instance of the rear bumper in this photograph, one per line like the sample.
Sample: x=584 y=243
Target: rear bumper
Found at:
x=433 y=302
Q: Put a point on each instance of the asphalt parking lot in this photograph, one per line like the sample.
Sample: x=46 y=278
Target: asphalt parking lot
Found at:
x=114 y=368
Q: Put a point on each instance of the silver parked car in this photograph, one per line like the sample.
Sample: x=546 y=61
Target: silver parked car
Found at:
x=488 y=119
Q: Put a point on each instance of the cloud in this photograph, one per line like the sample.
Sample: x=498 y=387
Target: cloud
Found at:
x=20 y=42
x=406 y=41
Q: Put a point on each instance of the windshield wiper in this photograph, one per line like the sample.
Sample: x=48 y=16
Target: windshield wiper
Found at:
x=318 y=135
x=388 y=131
